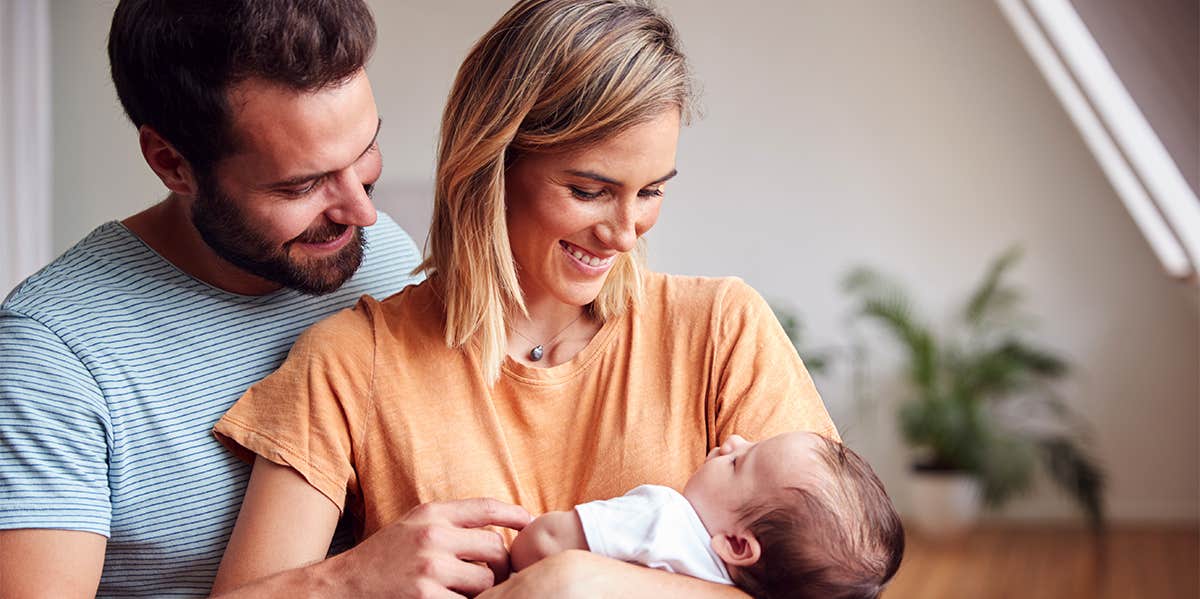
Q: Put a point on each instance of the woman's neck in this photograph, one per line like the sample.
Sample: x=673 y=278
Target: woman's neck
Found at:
x=547 y=317
x=559 y=331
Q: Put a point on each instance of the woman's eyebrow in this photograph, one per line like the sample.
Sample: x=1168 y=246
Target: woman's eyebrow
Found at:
x=609 y=180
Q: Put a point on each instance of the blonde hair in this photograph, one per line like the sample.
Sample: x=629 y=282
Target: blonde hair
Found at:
x=550 y=76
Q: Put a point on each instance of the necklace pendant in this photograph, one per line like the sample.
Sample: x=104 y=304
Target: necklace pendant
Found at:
x=535 y=354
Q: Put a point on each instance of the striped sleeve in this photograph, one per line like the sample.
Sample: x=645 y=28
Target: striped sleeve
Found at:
x=54 y=433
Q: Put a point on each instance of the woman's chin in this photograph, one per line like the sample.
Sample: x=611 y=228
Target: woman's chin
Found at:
x=577 y=294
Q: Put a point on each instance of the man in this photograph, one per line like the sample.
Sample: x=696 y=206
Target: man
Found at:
x=118 y=357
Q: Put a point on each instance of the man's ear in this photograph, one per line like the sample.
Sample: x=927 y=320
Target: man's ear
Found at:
x=738 y=549
x=171 y=167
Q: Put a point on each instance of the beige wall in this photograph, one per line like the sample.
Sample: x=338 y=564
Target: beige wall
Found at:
x=914 y=136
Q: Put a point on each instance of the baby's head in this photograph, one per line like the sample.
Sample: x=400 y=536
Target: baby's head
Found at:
x=798 y=515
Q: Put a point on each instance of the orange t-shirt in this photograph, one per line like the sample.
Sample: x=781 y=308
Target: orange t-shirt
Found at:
x=376 y=413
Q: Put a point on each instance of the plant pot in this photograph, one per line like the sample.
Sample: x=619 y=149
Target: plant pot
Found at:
x=945 y=504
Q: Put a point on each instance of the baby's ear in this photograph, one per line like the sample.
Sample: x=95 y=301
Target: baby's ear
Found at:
x=738 y=549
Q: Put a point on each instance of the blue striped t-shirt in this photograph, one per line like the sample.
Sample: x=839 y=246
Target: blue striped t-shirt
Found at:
x=114 y=366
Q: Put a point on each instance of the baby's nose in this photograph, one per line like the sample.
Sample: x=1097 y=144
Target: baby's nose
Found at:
x=732 y=443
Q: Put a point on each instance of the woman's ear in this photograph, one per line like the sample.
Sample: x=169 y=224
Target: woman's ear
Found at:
x=738 y=549
x=171 y=167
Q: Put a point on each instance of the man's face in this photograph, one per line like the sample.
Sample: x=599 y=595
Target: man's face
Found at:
x=290 y=203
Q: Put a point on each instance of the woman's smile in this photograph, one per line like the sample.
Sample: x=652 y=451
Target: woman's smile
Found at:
x=587 y=262
x=566 y=243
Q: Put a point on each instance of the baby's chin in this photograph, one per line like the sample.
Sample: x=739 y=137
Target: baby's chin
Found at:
x=707 y=517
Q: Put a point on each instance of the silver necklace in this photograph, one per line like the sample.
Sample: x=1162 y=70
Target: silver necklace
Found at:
x=539 y=349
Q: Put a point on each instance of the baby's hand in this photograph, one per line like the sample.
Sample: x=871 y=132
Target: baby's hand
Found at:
x=548 y=534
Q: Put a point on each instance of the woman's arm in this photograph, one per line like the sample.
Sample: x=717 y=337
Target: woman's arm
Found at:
x=584 y=574
x=285 y=523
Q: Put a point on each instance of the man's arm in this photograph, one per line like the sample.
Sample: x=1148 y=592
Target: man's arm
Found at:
x=583 y=574
x=285 y=525
x=37 y=563
x=549 y=534
x=54 y=501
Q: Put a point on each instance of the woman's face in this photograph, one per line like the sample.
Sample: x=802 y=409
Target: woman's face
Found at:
x=570 y=215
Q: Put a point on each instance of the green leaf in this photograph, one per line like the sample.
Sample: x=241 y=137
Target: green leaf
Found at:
x=1078 y=474
x=990 y=296
x=1006 y=468
x=957 y=380
x=887 y=304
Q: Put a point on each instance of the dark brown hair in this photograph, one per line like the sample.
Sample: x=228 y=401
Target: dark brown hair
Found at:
x=843 y=540
x=174 y=61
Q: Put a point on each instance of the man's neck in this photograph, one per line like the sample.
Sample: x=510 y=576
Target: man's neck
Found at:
x=167 y=228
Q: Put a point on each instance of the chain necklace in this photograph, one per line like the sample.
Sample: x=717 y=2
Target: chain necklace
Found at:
x=539 y=349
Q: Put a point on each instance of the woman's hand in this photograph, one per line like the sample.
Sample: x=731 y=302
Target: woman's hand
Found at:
x=285 y=523
x=429 y=553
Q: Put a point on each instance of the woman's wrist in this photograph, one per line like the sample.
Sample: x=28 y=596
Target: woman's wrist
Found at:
x=331 y=577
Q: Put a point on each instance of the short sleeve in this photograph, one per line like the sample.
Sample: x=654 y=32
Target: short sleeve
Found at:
x=762 y=386
x=307 y=414
x=621 y=527
x=55 y=433
x=654 y=526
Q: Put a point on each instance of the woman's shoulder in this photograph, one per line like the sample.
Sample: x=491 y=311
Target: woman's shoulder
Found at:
x=707 y=294
x=359 y=322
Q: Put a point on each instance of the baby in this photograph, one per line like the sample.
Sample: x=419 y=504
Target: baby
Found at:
x=796 y=515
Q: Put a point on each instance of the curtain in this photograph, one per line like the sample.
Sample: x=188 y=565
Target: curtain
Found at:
x=25 y=138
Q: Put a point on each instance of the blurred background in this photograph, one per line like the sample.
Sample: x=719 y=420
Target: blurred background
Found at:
x=918 y=138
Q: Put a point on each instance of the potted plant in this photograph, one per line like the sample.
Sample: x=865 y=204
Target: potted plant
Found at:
x=816 y=361
x=980 y=412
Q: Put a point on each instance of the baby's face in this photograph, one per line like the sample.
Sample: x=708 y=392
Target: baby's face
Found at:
x=739 y=472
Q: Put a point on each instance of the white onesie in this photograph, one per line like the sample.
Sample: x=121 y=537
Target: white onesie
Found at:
x=654 y=526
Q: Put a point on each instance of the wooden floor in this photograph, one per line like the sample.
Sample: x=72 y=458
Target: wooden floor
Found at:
x=1037 y=563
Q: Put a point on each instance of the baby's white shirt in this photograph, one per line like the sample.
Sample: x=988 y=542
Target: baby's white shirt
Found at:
x=654 y=526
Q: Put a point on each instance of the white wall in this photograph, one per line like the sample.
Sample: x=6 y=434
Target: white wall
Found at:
x=919 y=137
x=99 y=174
x=914 y=136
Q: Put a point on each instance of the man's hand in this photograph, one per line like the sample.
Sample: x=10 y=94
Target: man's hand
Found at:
x=437 y=550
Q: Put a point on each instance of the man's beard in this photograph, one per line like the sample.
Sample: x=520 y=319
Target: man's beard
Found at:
x=224 y=228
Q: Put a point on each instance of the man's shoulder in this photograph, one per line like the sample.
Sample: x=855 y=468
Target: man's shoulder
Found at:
x=80 y=272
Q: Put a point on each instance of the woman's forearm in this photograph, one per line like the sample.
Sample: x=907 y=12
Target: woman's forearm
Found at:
x=315 y=581
x=584 y=574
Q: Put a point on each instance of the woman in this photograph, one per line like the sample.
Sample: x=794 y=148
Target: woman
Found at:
x=539 y=364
